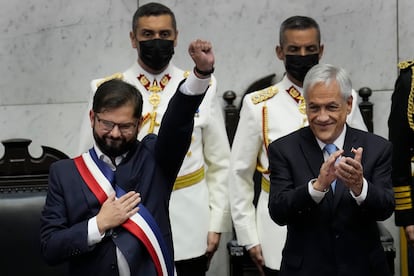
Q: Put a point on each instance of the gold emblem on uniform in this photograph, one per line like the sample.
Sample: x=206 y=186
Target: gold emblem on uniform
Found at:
x=154 y=99
x=295 y=94
x=302 y=105
x=144 y=81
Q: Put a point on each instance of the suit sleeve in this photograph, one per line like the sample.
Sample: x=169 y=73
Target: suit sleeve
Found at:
x=174 y=135
x=289 y=202
x=59 y=241
x=401 y=136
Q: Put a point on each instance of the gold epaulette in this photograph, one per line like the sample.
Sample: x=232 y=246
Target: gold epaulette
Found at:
x=264 y=94
x=111 y=77
x=405 y=64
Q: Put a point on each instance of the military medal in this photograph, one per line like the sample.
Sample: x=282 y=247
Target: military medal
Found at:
x=295 y=94
x=154 y=99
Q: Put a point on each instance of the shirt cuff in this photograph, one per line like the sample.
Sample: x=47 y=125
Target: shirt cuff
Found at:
x=316 y=195
x=250 y=246
x=194 y=86
x=361 y=198
x=94 y=236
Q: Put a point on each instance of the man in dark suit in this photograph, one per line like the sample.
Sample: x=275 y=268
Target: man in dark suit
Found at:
x=91 y=218
x=331 y=202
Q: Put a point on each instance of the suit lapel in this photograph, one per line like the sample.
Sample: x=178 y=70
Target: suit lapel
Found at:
x=311 y=151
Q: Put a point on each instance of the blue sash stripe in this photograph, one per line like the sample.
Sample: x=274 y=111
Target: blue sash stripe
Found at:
x=105 y=169
x=110 y=175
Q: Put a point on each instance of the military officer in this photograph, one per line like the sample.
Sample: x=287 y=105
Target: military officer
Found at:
x=401 y=134
x=199 y=205
x=265 y=116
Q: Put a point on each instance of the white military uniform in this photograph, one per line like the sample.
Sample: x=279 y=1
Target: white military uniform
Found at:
x=266 y=115
x=199 y=202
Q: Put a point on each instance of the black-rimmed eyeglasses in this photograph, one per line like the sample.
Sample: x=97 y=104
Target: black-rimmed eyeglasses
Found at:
x=108 y=126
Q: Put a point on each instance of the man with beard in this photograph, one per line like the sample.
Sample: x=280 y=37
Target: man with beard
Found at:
x=199 y=206
x=106 y=211
x=265 y=116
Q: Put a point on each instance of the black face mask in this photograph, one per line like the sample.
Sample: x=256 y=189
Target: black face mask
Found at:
x=156 y=53
x=297 y=66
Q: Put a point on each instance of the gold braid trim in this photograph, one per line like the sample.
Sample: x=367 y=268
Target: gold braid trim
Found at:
x=265 y=185
x=188 y=180
x=264 y=94
x=405 y=64
x=410 y=105
x=265 y=127
x=265 y=133
x=258 y=97
x=402 y=195
x=111 y=77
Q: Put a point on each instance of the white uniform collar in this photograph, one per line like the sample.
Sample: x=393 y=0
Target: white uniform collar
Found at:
x=140 y=70
x=286 y=82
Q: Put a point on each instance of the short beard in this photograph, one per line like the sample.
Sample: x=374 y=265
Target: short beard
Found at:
x=110 y=150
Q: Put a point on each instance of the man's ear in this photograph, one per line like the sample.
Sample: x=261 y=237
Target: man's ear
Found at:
x=176 y=38
x=349 y=102
x=279 y=53
x=321 y=51
x=133 y=39
x=140 y=123
x=92 y=117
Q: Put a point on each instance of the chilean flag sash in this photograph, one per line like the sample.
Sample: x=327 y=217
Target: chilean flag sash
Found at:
x=98 y=176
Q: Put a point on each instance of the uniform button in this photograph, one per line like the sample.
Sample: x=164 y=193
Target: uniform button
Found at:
x=114 y=235
x=113 y=266
x=336 y=236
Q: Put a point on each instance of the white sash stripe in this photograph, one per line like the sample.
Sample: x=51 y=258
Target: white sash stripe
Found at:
x=136 y=218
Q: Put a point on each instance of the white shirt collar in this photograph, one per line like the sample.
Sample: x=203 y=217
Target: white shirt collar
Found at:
x=108 y=160
x=339 y=142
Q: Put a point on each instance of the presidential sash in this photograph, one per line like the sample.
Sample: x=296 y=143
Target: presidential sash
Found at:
x=98 y=176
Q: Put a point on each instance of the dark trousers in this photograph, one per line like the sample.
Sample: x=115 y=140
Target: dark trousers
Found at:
x=410 y=257
x=270 y=272
x=192 y=267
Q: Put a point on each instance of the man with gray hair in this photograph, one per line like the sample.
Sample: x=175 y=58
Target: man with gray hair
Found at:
x=265 y=116
x=330 y=184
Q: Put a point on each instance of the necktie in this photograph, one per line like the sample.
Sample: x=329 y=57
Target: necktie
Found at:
x=331 y=148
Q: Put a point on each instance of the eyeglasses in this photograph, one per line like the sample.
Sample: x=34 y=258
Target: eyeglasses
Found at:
x=108 y=126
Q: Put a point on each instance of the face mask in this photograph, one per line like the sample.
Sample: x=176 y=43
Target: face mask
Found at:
x=297 y=66
x=156 y=53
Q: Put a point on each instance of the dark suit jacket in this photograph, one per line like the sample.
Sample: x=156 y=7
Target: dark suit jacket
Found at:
x=149 y=168
x=336 y=236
